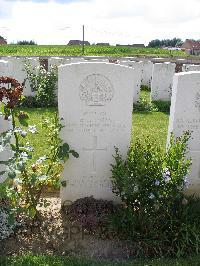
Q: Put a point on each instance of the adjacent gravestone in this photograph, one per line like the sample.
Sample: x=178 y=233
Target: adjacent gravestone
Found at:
x=77 y=59
x=19 y=72
x=147 y=67
x=138 y=76
x=5 y=154
x=58 y=61
x=184 y=116
x=95 y=101
x=162 y=80
x=4 y=68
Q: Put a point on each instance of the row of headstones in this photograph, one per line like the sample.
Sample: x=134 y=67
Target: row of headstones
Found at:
x=95 y=102
x=14 y=67
x=158 y=76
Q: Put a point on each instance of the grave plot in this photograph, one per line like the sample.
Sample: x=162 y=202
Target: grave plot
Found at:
x=185 y=116
x=95 y=103
x=147 y=67
x=162 y=80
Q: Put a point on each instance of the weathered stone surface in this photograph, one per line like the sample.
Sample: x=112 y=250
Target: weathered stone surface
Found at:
x=184 y=116
x=95 y=101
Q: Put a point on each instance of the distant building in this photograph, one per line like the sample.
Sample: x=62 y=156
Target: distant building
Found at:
x=2 y=41
x=78 y=42
x=192 y=47
x=103 y=44
x=136 y=45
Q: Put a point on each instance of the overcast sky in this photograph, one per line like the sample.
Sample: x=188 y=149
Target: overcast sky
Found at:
x=113 y=21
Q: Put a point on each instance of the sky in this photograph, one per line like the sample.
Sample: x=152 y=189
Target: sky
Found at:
x=113 y=21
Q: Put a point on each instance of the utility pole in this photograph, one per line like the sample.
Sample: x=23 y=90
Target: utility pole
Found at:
x=83 y=39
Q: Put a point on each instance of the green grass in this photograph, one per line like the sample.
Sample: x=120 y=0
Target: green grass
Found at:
x=70 y=261
x=153 y=124
x=38 y=141
x=64 y=50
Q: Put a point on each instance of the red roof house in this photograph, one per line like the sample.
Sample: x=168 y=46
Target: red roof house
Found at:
x=192 y=47
x=2 y=40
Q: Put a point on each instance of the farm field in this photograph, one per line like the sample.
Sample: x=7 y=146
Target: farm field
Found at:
x=64 y=50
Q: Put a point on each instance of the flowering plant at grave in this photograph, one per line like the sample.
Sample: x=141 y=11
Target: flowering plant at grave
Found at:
x=43 y=83
x=150 y=179
x=27 y=177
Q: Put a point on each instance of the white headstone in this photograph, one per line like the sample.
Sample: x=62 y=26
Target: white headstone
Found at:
x=187 y=67
x=19 y=72
x=95 y=101
x=147 y=67
x=77 y=59
x=4 y=68
x=138 y=76
x=58 y=61
x=4 y=155
x=184 y=116
x=162 y=80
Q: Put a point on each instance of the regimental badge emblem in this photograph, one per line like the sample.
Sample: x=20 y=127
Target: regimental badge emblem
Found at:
x=96 y=90
x=197 y=101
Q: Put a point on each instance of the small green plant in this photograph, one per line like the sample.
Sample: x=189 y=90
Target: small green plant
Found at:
x=43 y=83
x=151 y=185
x=144 y=103
x=145 y=88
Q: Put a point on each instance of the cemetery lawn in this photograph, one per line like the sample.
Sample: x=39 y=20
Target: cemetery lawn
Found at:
x=92 y=50
x=152 y=124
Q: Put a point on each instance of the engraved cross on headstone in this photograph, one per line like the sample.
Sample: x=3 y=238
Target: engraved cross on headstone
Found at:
x=94 y=149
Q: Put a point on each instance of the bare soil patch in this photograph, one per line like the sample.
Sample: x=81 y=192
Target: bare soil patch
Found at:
x=56 y=235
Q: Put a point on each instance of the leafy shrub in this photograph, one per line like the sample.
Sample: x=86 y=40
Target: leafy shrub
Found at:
x=43 y=83
x=148 y=176
x=156 y=212
x=28 y=178
x=144 y=105
x=90 y=213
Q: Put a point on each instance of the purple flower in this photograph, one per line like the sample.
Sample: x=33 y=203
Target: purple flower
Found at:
x=157 y=182
x=166 y=175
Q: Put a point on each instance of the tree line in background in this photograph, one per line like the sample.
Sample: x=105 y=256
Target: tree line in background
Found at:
x=175 y=42
x=24 y=42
